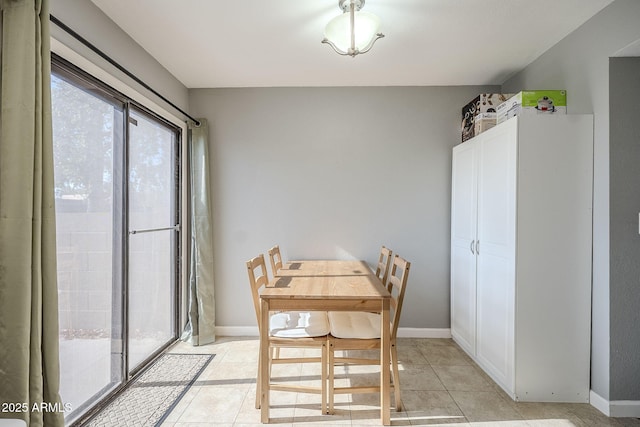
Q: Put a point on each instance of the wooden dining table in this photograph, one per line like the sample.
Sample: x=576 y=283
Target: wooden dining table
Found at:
x=327 y=285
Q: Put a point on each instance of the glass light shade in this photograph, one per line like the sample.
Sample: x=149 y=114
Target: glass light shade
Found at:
x=366 y=27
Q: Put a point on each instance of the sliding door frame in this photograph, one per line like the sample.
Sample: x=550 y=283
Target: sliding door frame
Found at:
x=73 y=74
x=176 y=247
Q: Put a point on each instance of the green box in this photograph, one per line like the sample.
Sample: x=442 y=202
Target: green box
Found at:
x=533 y=102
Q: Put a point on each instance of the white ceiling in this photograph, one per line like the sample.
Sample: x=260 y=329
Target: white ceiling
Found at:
x=264 y=43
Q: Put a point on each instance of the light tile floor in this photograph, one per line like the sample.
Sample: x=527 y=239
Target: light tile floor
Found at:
x=440 y=384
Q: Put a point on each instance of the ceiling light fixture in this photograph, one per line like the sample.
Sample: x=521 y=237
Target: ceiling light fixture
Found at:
x=353 y=32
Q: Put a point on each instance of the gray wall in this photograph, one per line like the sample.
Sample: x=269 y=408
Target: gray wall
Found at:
x=87 y=19
x=333 y=173
x=624 y=148
x=580 y=64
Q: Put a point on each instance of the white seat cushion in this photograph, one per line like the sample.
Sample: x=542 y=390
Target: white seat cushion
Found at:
x=298 y=324
x=354 y=324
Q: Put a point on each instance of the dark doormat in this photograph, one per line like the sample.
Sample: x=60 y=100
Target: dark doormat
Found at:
x=151 y=397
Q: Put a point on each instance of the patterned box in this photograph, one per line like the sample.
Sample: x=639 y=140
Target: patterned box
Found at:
x=483 y=103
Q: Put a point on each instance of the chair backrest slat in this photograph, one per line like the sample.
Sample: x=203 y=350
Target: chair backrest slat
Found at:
x=396 y=286
x=276 y=259
x=384 y=261
x=258 y=278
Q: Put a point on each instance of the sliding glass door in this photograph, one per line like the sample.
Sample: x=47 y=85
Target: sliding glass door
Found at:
x=117 y=182
x=153 y=230
x=87 y=129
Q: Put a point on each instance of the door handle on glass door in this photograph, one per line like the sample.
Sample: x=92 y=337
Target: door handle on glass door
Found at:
x=150 y=230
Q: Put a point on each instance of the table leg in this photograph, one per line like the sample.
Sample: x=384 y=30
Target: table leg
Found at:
x=264 y=362
x=385 y=351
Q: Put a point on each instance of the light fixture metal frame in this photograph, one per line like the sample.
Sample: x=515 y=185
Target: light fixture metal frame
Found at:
x=345 y=4
x=351 y=7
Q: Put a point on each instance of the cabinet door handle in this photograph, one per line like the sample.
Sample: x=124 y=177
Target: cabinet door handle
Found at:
x=471 y=247
x=477 y=247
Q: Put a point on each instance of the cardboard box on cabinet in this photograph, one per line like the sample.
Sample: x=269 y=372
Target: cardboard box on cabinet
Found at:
x=484 y=121
x=533 y=102
x=483 y=103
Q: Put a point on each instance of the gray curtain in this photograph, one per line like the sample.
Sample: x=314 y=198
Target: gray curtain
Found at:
x=29 y=363
x=200 y=328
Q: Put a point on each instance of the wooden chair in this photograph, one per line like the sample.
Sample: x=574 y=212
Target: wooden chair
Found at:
x=276 y=259
x=384 y=262
x=289 y=329
x=361 y=331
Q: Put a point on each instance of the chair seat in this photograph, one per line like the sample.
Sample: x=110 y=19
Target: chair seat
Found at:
x=354 y=324
x=299 y=324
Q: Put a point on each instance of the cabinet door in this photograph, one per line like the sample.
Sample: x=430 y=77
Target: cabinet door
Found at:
x=496 y=253
x=463 y=236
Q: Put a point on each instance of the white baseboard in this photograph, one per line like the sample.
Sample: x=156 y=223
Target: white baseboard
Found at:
x=599 y=402
x=615 y=408
x=625 y=408
x=252 y=331
x=424 y=333
x=237 y=331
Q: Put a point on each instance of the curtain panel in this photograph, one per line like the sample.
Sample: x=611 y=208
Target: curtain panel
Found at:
x=200 y=328
x=29 y=361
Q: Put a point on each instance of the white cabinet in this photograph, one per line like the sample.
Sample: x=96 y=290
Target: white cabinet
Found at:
x=521 y=221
